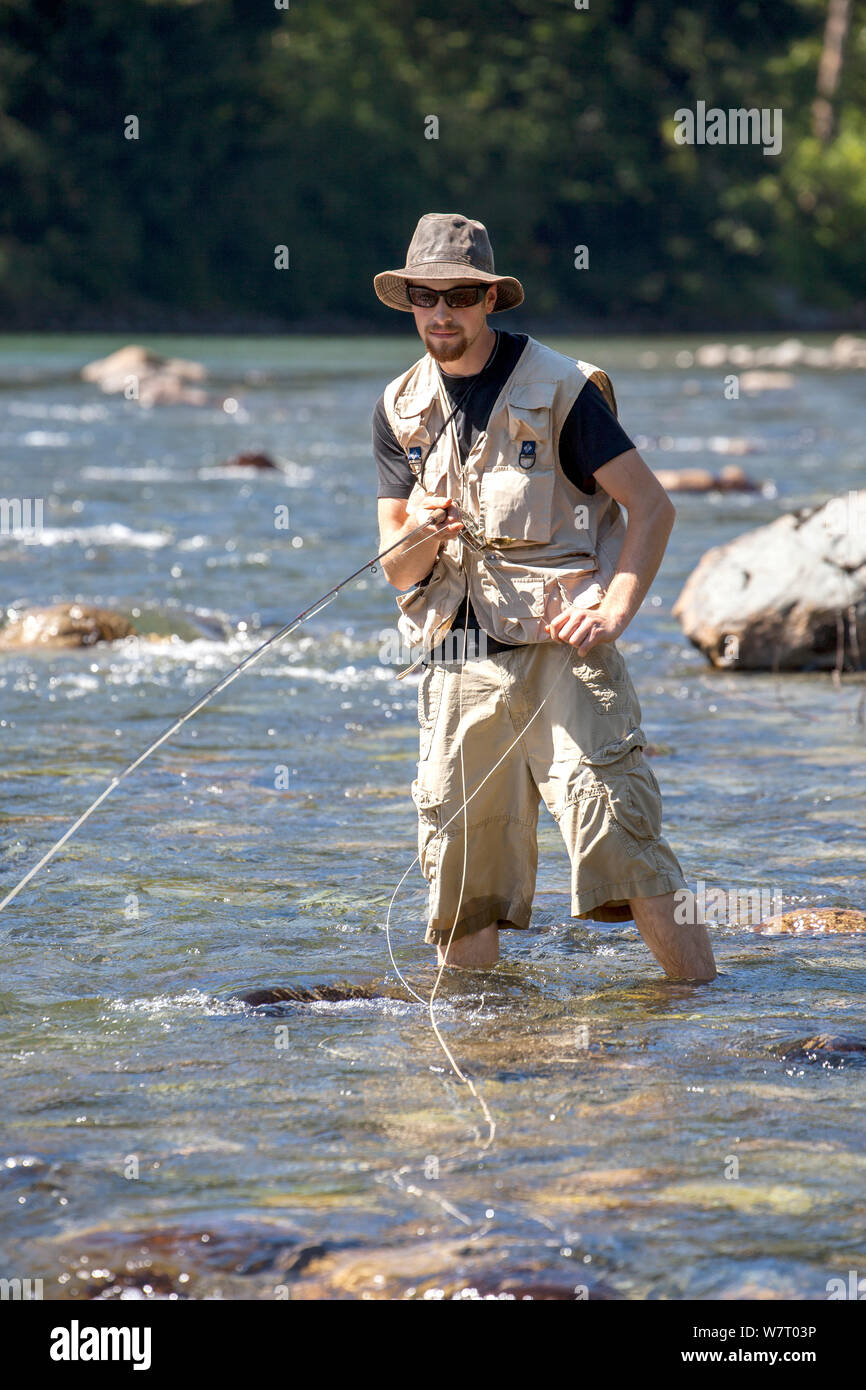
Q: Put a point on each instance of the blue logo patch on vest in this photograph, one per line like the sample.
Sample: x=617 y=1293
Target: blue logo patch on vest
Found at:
x=414 y=458
x=527 y=454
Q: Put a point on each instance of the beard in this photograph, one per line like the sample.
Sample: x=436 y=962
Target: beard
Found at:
x=449 y=350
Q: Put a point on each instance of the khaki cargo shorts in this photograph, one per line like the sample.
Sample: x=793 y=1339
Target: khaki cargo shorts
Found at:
x=582 y=755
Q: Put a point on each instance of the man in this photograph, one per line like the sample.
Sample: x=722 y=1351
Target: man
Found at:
x=522 y=441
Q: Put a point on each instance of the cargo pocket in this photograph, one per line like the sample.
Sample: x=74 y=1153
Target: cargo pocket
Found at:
x=429 y=704
x=630 y=789
x=429 y=809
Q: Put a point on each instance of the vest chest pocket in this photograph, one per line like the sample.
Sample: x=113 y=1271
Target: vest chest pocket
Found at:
x=516 y=492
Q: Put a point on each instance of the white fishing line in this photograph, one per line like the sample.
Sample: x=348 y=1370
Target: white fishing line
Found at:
x=205 y=699
x=463 y=808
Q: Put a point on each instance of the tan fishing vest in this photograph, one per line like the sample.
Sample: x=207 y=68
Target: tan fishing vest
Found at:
x=552 y=543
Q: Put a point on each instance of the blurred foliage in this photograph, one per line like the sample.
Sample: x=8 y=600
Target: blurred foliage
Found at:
x=305 y=126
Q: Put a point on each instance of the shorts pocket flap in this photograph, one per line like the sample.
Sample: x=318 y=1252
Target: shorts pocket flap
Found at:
x=615 y=750
x=424 y=798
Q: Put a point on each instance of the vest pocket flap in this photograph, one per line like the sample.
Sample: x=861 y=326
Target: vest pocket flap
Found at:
x=533 y=394
x=410 y=406
x=529 y=407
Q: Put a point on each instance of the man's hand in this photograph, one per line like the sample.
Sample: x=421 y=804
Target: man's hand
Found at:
x=421 y=514
x=629 y=481
x=584 y=628
x=403 y=568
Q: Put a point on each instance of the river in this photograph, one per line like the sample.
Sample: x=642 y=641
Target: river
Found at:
x=158 y=1138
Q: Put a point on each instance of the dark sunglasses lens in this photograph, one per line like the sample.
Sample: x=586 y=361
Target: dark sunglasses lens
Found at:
x=421 y=298
x=463 y=297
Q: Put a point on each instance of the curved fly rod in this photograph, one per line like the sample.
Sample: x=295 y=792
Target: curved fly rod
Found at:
x=435 y=518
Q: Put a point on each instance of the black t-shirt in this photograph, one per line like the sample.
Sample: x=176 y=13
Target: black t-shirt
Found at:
x=590 y=437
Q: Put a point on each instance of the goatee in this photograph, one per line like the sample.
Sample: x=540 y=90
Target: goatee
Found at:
x=447 y=350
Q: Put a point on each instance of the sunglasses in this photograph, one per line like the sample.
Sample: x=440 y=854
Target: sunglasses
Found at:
x=461 y=297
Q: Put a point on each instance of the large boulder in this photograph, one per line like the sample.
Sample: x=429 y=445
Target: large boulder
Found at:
x=789 y=596
x=148 y=377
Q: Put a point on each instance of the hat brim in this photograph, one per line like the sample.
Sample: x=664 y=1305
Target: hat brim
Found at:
x=390 y=285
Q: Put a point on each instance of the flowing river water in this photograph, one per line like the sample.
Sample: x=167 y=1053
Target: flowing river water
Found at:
x=159 y=1139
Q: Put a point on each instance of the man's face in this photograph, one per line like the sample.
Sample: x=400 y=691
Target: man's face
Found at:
x=449 y=333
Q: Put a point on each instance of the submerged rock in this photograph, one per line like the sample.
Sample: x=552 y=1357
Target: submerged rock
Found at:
x=731 y=478
x=447 y=1270
x=267 y=1261
x=181 y=1262
x=63 y=625
x=787 y=596
x=68 y=625
x=251 y=460
x=824 y=921
x=824 y=1047
x=315 y=994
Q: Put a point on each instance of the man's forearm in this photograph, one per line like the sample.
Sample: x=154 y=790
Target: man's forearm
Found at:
x=405 y=567
x=642 y=552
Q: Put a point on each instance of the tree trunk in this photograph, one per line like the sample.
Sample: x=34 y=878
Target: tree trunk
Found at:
x=830 y=69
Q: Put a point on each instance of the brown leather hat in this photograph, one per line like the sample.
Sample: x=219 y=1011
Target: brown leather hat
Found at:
x=447 y=246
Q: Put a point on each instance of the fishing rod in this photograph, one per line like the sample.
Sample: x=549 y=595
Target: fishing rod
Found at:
x=436 y=518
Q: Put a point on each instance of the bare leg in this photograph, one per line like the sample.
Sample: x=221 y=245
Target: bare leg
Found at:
x=473 y=952
x=682 y=950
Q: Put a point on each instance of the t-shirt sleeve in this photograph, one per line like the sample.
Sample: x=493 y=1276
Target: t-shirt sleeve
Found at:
x=590 y=437
x=396 y=478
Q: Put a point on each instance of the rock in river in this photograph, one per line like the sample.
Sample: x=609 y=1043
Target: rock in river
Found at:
x=825 y=921
x=732 y=478
x=63 y=625
x=314 y=994
x=789 y=596
x=261 y=462
x=825 y=1047
x=148 y=377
